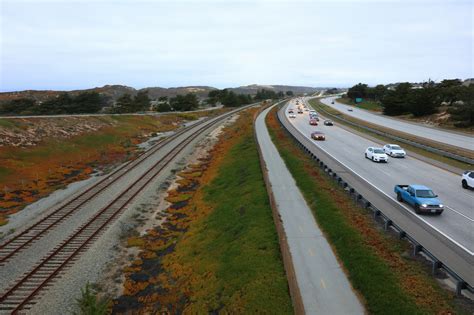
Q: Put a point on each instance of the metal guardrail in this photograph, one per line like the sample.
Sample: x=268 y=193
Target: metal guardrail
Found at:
x=437 y=264
x=444 y=153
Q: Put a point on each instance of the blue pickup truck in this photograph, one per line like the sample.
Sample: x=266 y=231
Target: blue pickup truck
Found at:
x=420 y=197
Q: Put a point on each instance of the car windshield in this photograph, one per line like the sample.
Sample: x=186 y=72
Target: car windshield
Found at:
x=425 y=193
x=380 y=151
x=396 y=147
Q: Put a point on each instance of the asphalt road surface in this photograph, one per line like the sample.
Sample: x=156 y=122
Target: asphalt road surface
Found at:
x=451 y=138
x=457 y=220
x=323 y=285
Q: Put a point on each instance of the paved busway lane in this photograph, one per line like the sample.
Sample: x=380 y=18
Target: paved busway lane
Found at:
x=323 y=285
x=457 y=219
x=451 y=138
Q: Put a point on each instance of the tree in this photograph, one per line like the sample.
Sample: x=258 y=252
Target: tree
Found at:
x=423 y=101
x=230 y=100
x=86 y=102
x=462 y=112
x=450 y=90
x=163 y=107
x=184 y=103
x=56 y=105
x=214 y=97
x=141 y=102
x=124 y=104
x=18 y=106
x=358 y=90
x=395 y=102
x=264 y=94
x=289 y=93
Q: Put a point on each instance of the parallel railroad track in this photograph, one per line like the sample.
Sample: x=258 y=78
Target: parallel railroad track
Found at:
x=21 y=241
x=24 y=293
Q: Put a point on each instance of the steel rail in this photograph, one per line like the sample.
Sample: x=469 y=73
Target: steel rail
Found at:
x=23 y=292
x=20 y=241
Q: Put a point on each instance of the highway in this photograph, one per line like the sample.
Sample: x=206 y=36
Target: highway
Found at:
x=446 y=137
x=457 y=220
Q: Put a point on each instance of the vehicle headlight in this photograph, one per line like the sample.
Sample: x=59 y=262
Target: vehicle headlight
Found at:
x=424 y=205
x=441 y=206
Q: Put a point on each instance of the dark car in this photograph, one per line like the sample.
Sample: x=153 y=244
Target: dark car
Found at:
x=318 y=135
x=328 y=122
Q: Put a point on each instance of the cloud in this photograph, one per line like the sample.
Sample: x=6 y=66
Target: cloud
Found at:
x=57 y=45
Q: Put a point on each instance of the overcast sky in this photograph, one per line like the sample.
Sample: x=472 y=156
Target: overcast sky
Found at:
x=82 y=44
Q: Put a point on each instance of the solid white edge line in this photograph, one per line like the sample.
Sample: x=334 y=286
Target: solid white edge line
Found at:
x=402 y=205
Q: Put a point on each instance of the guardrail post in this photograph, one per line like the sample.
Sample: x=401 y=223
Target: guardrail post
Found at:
x=387 y=224
x=416 y=249
x=460 y=285
x=402 y=234
x=376 y=213
x=436 y=265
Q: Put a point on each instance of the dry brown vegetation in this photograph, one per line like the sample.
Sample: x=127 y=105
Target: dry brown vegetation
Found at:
x=206 y=257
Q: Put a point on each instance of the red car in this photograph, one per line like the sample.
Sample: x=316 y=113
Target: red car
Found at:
x=313 y=122
x=318 y=135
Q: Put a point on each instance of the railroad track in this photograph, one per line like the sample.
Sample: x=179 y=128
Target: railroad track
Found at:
x=22 y=240
x=25 y=291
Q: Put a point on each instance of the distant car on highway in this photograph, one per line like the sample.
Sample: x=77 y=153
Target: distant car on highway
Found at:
x=291 y=111
x=313 y=122
x=318 y=135
x=376 y=154
x=332 y=102
x=420 y=197
x=300 y=111
x=292 y=116
x=467 y=179
x=350 y=109
x=394 y=150
x=328 y=122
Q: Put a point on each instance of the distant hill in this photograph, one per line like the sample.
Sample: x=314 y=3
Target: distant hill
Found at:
x=115 y=91
x=112 y=91
x=253 y=88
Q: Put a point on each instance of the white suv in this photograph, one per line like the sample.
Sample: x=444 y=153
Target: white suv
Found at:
x=394 y=150
x=376 y=154
x=467 y=179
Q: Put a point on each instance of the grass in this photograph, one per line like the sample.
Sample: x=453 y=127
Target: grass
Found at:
x=217 y=252
x=32 y=172
x=369 y=105
x=4 y=172
x=237 y=242
x=7 y=123
x=461 y=165
x=372 y=260
x=90 y=304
